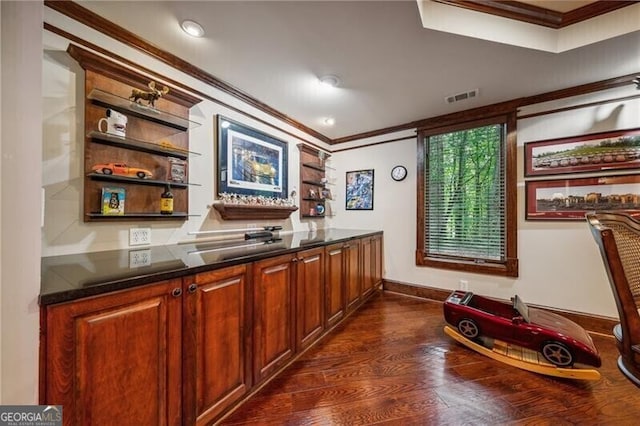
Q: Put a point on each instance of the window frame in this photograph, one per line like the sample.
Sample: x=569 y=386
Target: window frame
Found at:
x=508 y=267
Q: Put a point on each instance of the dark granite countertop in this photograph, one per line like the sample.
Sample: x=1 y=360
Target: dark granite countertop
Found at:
x=74 y=276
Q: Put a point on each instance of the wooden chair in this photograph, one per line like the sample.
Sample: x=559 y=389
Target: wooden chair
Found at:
x=618 y=237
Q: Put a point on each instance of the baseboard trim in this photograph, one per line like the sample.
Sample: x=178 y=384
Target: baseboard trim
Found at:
x=592 y=323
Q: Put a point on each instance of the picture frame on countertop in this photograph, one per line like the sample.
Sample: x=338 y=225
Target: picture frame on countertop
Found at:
x=249 y=161
x=596 y=152
x=571 y=199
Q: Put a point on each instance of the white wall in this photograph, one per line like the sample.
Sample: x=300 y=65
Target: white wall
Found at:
x=20 y=203
x=560 y=265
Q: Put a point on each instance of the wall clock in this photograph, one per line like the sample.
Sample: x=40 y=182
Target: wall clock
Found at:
x=398 y=173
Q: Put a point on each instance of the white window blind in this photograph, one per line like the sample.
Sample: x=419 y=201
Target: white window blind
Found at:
x=465 y=194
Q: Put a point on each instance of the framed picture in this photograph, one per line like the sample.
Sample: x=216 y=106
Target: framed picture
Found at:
x=113 y=201
x=177 y=170
x=250 y=162
x=570 y=199
x=359 y=190
x=589 y=153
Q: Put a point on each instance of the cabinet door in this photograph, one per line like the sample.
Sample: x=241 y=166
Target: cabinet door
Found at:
x=217 y=368
x=114 y=358
x=273 y=315
x=309 y=296
x=352 y=273
x=367 y=265
x=334 y=284
x=377 y=259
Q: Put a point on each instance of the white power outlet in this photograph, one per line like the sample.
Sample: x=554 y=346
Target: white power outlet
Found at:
x=464 y=285
x=139 y=236
x=139 y=258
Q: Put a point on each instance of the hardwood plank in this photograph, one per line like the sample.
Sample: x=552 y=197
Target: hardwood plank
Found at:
x=391 y=363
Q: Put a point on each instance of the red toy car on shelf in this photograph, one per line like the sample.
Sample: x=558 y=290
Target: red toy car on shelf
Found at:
x=560 y=341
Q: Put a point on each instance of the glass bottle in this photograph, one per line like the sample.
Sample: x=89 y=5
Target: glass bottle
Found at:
x=166 y=201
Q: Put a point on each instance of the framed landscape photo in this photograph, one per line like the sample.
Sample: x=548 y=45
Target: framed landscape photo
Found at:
x=579 y=154
x=249 y=161
x=570 y=199
x=359 y=190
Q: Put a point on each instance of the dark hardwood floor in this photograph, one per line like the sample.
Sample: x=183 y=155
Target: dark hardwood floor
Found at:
x=391 y=363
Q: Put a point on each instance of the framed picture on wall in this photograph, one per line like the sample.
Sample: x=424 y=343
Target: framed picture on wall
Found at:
x=570 y=199
x=249 y=161
x=580 y=154
x=359 y=190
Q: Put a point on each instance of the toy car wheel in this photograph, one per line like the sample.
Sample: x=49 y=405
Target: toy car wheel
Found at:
x=107 y=171
x=468 y=328
x=557 y=354
x=141 y=175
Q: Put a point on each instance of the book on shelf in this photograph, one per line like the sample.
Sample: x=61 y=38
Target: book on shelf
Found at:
x=113 y=201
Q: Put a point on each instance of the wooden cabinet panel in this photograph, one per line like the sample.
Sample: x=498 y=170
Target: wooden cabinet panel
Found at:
x=352 y=273
x=309 y=296
x=114 y=358
x=217 y=368
x=334 y=284
x=368 y=265
x=273 y=315
x=378 y=258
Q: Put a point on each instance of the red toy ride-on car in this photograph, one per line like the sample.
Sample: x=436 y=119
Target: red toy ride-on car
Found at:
x=560 y=341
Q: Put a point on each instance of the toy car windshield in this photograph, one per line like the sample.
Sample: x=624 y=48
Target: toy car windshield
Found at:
x=521 y=308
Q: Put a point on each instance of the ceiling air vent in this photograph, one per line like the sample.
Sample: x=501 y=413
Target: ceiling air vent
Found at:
x=461 y=96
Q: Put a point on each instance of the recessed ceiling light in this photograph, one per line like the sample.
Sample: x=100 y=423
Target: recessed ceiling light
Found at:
x=192 y=28
x=330 y=80
x=329 y=121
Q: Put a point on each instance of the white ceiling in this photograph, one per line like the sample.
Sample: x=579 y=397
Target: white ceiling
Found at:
x=392 y=70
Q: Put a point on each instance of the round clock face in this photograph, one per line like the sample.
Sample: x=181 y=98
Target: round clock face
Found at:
x=398 y=173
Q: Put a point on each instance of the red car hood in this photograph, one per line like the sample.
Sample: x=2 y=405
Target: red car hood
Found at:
x=560 y=324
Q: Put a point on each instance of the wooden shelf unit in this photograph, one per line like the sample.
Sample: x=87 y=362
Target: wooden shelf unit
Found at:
x=154 y=135
x=313 y=180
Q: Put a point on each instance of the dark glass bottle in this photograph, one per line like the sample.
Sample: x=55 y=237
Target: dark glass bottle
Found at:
x=166 y=201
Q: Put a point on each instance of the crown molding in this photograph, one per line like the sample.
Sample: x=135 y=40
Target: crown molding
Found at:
x=536 y=15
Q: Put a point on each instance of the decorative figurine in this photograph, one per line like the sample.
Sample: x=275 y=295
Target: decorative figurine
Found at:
x=516 y=334
x=151 y=97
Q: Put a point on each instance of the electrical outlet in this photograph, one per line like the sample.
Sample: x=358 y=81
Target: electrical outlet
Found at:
x=139 y=258
x=251 y=225
x=464 y=285
x=139 y=236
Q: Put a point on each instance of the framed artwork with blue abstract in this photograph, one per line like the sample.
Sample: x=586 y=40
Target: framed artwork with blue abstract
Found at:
x=359 y=190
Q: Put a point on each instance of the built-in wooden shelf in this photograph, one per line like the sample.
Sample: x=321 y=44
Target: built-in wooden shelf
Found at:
x=127 y=107
x=119 y=178
x=141 y=215
x=140 y=145
x=251 y=212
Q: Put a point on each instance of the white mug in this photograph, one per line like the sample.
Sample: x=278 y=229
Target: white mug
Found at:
x=116 y=123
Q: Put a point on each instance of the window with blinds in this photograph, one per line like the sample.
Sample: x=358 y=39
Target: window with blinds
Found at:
x=465 y=194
